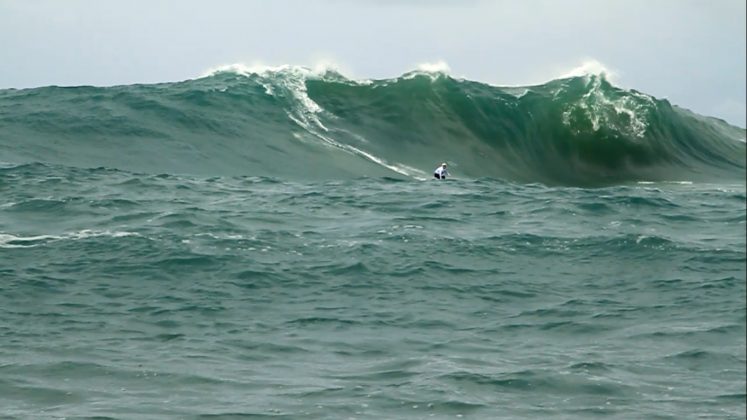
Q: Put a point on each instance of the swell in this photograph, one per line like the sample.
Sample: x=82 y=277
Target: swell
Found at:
x=292 y=124
x=573 y=131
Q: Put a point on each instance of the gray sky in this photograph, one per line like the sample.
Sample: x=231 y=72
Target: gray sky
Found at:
x=691 y=52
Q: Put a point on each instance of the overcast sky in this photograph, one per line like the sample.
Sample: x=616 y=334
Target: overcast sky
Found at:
x=691 y=52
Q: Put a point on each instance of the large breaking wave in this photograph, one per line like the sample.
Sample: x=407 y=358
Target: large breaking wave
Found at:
x=293 y=123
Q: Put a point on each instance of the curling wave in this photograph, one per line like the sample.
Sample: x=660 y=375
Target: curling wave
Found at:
x=294 y=123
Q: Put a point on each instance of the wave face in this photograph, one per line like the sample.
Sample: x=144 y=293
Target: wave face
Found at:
x=292 y=123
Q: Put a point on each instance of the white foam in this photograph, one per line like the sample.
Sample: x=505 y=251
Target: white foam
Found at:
x=591 y=67
x=319 y=68
x=400 y=169
x=436 y=67
x=665 y=182
x=13 y=241
x=284 y=80
x=596 y=107
x=224 y=236
x=88 y=233
x=432 y=70
x=291 y=81
x=588 y=67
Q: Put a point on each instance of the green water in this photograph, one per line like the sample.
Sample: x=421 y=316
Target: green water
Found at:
x=161 y=296
x=272 y=245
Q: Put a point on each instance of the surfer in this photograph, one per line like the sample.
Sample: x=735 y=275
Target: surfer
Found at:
x=441 y=172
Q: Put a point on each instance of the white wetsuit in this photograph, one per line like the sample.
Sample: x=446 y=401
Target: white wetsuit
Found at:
x=440 y=173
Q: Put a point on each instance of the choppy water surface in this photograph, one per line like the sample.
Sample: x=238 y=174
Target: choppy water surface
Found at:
x=130 y=295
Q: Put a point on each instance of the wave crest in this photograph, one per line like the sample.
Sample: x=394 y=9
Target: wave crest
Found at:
x=300 y=122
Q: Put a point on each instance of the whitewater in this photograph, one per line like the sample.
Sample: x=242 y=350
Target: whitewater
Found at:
x=269 y=243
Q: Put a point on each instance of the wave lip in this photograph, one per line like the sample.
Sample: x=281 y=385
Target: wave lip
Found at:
x=294 y=122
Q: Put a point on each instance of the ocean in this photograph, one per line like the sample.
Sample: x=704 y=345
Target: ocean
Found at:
x=271 y=244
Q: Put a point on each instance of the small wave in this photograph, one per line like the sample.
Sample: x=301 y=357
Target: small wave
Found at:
x=17 y=241
x=699 y=356
x=13 y=241
x=538 y=381
x=591 y=367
